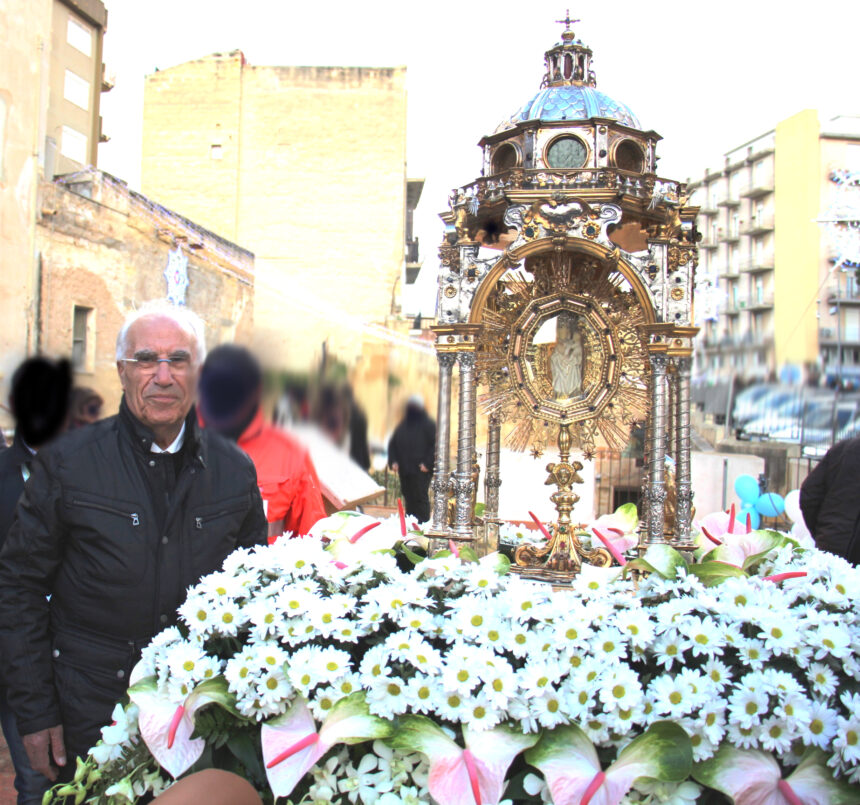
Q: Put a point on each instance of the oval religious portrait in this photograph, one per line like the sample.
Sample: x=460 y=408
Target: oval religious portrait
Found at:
x=560 y=355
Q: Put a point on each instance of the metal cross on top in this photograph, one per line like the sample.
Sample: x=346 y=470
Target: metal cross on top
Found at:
x=567 y=20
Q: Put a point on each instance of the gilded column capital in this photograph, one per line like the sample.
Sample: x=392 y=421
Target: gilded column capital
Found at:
x=466 y=360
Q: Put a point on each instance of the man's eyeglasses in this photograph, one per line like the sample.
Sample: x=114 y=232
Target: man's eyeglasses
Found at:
x=147 y=362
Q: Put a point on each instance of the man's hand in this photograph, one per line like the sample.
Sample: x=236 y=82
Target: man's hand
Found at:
x=44 y=749
x=423 y=468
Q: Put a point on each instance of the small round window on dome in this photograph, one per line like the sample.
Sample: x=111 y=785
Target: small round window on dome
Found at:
x=628 y=156
x=566 y=152
x=505 y=158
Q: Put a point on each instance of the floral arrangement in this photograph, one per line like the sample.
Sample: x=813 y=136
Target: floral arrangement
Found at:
x=330 y=668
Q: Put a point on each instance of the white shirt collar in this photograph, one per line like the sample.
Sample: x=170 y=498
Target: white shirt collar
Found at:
x=174 y=447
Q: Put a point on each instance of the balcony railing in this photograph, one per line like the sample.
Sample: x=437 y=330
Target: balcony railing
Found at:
x=709 y=242
x=729 y=201
x=730 y=272
x=730 y=237
x=762 y=302
x=758 y=226
x=752 y=265
x=758 y=187
x=843 y=296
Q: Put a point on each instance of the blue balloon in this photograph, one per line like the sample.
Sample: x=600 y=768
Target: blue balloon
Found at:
x=747 y=488
x=770 y=505
x=755 y=517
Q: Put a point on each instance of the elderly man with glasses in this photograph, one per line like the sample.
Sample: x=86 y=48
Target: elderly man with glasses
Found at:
x=116 y=521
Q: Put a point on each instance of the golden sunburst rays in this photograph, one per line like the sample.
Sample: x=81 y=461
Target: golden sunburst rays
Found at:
x=613 y=315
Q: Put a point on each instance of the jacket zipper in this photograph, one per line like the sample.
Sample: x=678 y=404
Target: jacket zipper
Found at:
x=199 y=522
x=134 y=516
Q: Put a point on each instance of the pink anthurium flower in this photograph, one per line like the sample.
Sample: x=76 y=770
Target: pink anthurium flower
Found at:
x=751 y=777
x=569 y=763
x=745 y=550
x=717 y=524
x=618 y=530
x=167 y=725
x=353 y=535
x=471 y=776
x=292 y=744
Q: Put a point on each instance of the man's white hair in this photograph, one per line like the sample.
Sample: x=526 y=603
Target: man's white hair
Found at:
x=187 y=319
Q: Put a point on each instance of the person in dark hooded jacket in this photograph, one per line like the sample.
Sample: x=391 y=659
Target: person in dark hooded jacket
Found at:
x=411 y=452
x=39 y=401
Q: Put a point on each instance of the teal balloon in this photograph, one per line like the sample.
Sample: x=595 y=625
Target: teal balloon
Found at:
x=746 y=488
x=755 y=517
x=770 y=505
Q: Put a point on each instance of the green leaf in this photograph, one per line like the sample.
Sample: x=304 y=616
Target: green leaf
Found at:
x=480 y=508
x=420 y=734
x=350 y=721
x=248 y=754
x=410 y=555
x=712 y=573
x=663 y=560
x=629 y=514
x=468 y=554
x=663 y=752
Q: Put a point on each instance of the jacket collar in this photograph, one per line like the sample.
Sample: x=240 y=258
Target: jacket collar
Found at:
x=142 y=437
x=254 y=429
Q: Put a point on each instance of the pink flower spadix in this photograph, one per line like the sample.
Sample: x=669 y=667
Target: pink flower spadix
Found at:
x=598 y=781
x=540 y=525
x=616 y=555
x=571 y=768
x=471 y=776
x=362 y=531
x=402 y=517
x=788 y=792
x=793 y=574
x=472 y=771
x=303 y=743
x=752 y=777
x=292 y=745
x=174 y=725
x=452 y=546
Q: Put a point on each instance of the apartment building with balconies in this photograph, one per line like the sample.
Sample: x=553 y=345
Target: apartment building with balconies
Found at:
x=772 y=292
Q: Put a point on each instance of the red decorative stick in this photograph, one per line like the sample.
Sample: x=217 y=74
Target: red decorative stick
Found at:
x=452 y=546
x=711 y=537
x=788 y=792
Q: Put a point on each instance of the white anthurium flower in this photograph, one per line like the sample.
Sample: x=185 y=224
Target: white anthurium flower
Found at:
x=166 y=725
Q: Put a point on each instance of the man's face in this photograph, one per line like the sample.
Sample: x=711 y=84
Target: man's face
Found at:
x=160 y=396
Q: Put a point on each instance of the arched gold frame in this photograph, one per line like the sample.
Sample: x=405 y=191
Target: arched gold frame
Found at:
x=545 y=245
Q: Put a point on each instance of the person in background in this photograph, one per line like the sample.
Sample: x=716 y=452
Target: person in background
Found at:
x=231 y=387
x=359 y=451
x=830 y=501
x=117 y=520
x=411 y=452
x=39 y=402
x=85 y=407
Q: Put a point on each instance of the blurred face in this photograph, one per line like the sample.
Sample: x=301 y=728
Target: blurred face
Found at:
x=158 y=393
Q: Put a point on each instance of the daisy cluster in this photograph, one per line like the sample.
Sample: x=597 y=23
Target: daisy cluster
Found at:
x=770 y=665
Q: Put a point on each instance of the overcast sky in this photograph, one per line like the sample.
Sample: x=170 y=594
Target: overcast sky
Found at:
x=706 y=75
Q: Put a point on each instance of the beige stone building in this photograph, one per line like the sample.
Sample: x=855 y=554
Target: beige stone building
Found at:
x=306 y=166
x=51 y=77
x=103 y=250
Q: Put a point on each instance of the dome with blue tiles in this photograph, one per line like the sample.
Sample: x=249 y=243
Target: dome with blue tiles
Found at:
x=569 y=89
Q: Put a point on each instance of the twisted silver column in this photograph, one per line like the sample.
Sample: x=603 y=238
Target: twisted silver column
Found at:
x=656 y=487
x=683 y=481
x=462 y=482
x=492 y=478
x=441 y=477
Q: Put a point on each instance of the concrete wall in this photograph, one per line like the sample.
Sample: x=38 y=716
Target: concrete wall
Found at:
x=108 y=252
x=24 y=51
x=310 y=175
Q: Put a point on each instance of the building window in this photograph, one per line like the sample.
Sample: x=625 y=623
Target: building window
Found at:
x=77 y=90
x=79 y=37
x=74 y=145
x=81 y=338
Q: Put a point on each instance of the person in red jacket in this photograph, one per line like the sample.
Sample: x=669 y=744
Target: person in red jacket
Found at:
x=231 y=385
